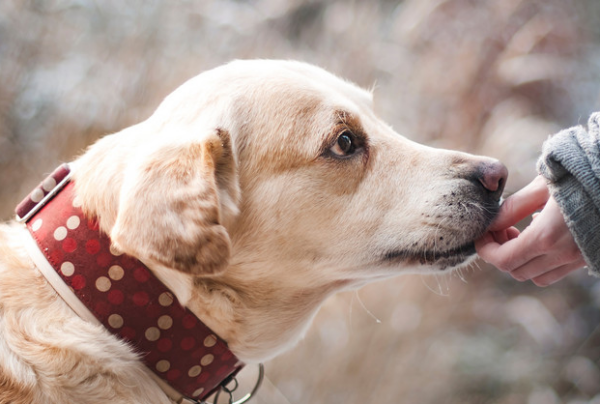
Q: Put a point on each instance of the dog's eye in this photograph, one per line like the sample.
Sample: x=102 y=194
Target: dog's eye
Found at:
x=345 y=145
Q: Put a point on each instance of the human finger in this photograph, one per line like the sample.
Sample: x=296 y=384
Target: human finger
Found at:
x=510 y=255
x=521 y=204
x=502 y=236
x=552 y=240
x=544 y=264
x=557 y=274
x=498 y=237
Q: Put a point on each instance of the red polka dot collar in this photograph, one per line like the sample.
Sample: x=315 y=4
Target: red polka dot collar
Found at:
x=188 y=360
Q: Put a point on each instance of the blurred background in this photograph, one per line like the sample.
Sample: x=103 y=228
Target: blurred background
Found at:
x=492 y=77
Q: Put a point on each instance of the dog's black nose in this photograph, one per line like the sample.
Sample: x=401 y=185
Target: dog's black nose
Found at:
x=492 y=174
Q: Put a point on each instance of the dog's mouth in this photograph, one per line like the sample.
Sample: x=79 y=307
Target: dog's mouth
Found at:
x=441 y=259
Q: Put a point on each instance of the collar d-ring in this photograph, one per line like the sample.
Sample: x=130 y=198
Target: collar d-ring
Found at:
x=230 y=391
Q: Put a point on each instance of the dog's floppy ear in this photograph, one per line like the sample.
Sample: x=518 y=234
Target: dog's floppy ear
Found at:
x=171 y=203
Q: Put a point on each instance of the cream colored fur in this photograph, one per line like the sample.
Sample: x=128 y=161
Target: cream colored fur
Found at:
x=233 y=193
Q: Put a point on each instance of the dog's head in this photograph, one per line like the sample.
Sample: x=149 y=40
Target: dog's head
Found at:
x=283 y=162
x=259 y=188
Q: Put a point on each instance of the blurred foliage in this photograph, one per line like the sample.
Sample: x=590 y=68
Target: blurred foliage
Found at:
x=494 y=77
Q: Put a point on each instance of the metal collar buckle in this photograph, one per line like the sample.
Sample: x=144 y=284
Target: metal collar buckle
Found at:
x=43 y=193
x=230 y=390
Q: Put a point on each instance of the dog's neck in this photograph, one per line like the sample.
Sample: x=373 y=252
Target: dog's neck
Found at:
x=258 y=313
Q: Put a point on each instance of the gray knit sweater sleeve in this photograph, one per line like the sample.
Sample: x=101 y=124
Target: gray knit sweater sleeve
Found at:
x=570 y=162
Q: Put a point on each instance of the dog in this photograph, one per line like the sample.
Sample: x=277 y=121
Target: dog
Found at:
x=255 y=191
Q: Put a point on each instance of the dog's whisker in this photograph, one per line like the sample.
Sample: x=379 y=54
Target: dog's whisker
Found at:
x=377 y=320
x=439 y=290
x=460 y=275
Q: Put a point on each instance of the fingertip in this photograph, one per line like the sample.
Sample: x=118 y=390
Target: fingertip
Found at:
x=500 y=236
x=542 y=283
x=512 y=233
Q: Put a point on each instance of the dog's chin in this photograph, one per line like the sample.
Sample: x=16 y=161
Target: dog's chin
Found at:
x=433 y=260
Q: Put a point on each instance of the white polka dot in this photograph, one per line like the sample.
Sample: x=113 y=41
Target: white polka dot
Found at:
x=152 y=334
x=76 y=202
x=115 y=321
x=37 y=225
x=37 y=195
x=60 y=233
x=67 y=268
x=165 y=299
x=207 y=360
x=195 y=371
x=49 y=184
x=163 y=365
x=73 y=222
x=115 y=251
x=198 y=392
x=209 y=341
x=103 y=284
x=116 y=273
x=165 y=322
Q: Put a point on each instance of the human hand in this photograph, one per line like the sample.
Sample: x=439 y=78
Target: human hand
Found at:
x=544 y=252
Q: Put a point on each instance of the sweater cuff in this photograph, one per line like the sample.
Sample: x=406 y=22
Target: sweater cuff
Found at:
x=568 y=162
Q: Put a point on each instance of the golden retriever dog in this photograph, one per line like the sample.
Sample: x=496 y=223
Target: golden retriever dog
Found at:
x=255 y=191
